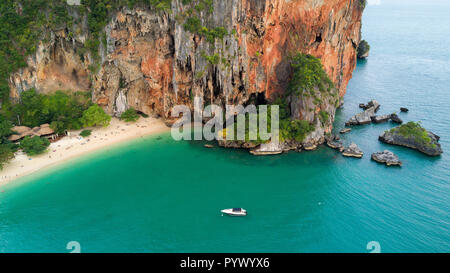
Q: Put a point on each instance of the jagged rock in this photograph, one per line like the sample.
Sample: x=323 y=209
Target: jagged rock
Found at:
x=271 y=148
x=249 y=145
x=362 y=118
x=353 y=151
x=381 y=119
x=365 y=117
x=335 y=144
x=404 y=110
x=370 y=104
x=435 y=136
x=332 y=137
x=418 y=139
x=237 y=144
x=363 y=50
x=387 y=157
x=329 y=137
x=292 y=146
x=309 y=147
x=230 y=144
x=345 y=130
x=395 y=118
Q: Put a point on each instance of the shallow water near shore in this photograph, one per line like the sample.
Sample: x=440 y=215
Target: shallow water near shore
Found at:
x=159 y=195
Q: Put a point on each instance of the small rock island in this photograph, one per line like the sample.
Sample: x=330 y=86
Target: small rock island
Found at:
x=414 y=136
x=353 y=151
x=387 y=157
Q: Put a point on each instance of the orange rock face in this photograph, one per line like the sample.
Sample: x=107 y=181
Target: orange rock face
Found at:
x=254 y=57
x=329 y=30
x=55 y=66
x=152 y=63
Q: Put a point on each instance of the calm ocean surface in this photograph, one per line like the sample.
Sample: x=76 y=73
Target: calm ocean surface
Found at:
x=158 y=195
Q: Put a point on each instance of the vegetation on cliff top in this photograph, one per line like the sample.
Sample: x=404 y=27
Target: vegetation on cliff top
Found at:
x=22 y=23
x=307 y=77
x=291 y=129
x=413 y=130
x=25 y=22
x=308 y=74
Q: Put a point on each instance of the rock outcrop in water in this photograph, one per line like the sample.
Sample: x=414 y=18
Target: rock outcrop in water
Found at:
x=414 y=136
x=345 y=131
x=365 y=117
x=404 y=109
x=387 y=157
x=363 y=50
x=268 y=149
x=395 y=119
x=335 y=143
x=151 y=61
x=381 y=118
x=353 y=151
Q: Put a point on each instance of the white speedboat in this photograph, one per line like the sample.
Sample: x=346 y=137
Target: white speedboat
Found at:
x=235 y=212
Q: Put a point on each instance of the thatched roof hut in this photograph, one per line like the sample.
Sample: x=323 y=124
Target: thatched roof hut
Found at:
x=20 y=129
x=15 y=137
x=44 y=131
x=23 y=131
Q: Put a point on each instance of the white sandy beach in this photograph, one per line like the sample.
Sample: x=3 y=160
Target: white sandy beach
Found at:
x=74 y=146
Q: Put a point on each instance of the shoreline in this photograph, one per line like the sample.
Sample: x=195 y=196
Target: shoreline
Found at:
x=74 y=146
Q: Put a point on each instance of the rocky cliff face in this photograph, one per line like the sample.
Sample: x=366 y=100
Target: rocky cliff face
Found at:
x=150 y=62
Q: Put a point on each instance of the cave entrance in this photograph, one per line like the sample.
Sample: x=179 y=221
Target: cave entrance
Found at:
x=142 y=114
x=319 y=38
x=257 y=99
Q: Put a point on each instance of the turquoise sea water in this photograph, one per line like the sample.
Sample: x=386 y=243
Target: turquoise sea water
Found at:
x=158 y=195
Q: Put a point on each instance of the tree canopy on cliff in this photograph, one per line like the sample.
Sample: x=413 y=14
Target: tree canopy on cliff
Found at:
x=25 y=22
x=22 y=22
x=308 y=73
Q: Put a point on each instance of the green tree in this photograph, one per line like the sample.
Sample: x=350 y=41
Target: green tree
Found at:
x=62 y=110
x=7 y=149
x=5 y=129
x=6 y=154
x=308 y=73
x=85 y=133
x=30 y=110
x=34 y=145
x=130 y=115
x=95 y=116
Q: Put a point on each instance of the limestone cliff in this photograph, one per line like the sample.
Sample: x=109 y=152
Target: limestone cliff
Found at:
x=149 y=60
